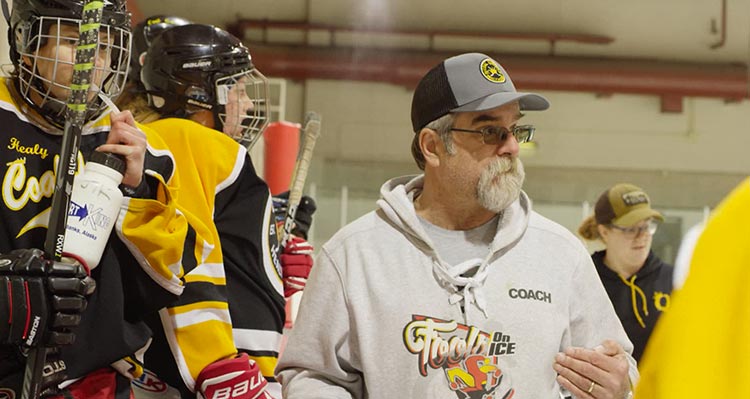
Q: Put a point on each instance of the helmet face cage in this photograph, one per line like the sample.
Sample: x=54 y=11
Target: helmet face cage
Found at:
x=194 y=68
x=48 y=44
x=244 y=107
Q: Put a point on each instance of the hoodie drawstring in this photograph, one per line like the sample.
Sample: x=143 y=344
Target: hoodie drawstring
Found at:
x=397 y=205
x=466 y=290
x=634 y=289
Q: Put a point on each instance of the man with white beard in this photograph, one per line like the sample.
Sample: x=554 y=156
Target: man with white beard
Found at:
x=454 y=287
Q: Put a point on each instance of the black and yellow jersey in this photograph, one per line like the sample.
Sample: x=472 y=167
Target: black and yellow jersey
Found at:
x=233 y=298
x=141 y=267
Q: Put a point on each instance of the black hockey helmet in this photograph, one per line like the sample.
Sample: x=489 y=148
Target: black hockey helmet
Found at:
x=201 y=67
x=144 y=33
x=29 y=31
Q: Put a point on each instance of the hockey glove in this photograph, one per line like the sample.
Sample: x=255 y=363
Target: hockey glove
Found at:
x=54 y=372
x=237 y=378
x=302 y=218
x=40 y=300
x=296 y=263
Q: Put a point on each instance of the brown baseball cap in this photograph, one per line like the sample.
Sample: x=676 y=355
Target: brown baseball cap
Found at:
x=624 y=205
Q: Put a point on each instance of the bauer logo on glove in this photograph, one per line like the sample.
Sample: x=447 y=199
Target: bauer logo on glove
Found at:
x=237 y=378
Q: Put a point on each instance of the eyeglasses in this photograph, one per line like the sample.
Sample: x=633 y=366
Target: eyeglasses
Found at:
x=635 y=231
x=498 y=134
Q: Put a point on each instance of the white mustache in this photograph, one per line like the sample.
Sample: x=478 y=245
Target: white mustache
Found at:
x=500 y=183
x=503 y=165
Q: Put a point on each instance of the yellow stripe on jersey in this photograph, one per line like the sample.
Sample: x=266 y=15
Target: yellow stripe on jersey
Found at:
x=207 y=272
x=220 y=346
x=267 y=364
x=198 y=278
x=198 y=316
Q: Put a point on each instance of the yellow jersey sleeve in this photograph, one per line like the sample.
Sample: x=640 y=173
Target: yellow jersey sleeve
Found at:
x=154 y=230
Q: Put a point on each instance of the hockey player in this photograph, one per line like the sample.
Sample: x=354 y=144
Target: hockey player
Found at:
x=200 y=72
x=133 y=95
x=140 y=269
x=184 y=82
x=209 y=94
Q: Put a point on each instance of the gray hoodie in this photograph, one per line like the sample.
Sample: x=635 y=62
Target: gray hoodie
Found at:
x=384 y=317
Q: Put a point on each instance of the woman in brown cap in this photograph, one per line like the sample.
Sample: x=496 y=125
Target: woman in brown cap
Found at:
x=638 y=283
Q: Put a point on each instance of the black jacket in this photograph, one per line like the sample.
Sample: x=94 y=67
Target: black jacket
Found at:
x=639 y=300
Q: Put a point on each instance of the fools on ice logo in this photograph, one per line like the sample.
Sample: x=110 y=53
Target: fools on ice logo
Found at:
x=468 y=356
x=88 y=216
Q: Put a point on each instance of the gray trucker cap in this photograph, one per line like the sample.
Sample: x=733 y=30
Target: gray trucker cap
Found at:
x=467 y=82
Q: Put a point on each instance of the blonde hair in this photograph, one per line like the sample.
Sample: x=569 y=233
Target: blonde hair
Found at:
x=589 y=229
x=137 y=103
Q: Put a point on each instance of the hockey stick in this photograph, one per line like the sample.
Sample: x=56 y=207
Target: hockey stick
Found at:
x=310 y=133
x=75 y=119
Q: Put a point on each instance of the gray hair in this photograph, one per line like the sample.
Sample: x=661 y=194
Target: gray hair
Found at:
x=443 y=127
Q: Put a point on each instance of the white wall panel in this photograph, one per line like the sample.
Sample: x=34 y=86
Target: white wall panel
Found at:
x=370 y=122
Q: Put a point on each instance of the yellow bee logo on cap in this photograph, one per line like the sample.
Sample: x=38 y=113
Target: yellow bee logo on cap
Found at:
x=491 y=71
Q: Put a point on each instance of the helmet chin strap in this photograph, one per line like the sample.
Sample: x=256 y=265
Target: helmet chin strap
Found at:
x=218 y=125
x=55 y=111
x=206 y=117
x=202 y=116
x=48 y=108
x=35 y=114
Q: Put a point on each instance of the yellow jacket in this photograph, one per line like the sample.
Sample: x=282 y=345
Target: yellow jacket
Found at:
x=701 y=347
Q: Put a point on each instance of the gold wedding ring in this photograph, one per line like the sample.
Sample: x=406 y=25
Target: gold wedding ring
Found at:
x=591 y=388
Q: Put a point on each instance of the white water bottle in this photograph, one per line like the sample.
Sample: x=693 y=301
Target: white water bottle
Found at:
x=94 y=207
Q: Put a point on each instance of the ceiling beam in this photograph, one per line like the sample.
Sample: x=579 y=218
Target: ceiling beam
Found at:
x=578 y=74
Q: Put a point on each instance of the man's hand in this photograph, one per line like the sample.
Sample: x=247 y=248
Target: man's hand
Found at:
x=601 y=372
x=127 y=140
x=296 y=263
x=40 y=301
x=237 y=378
